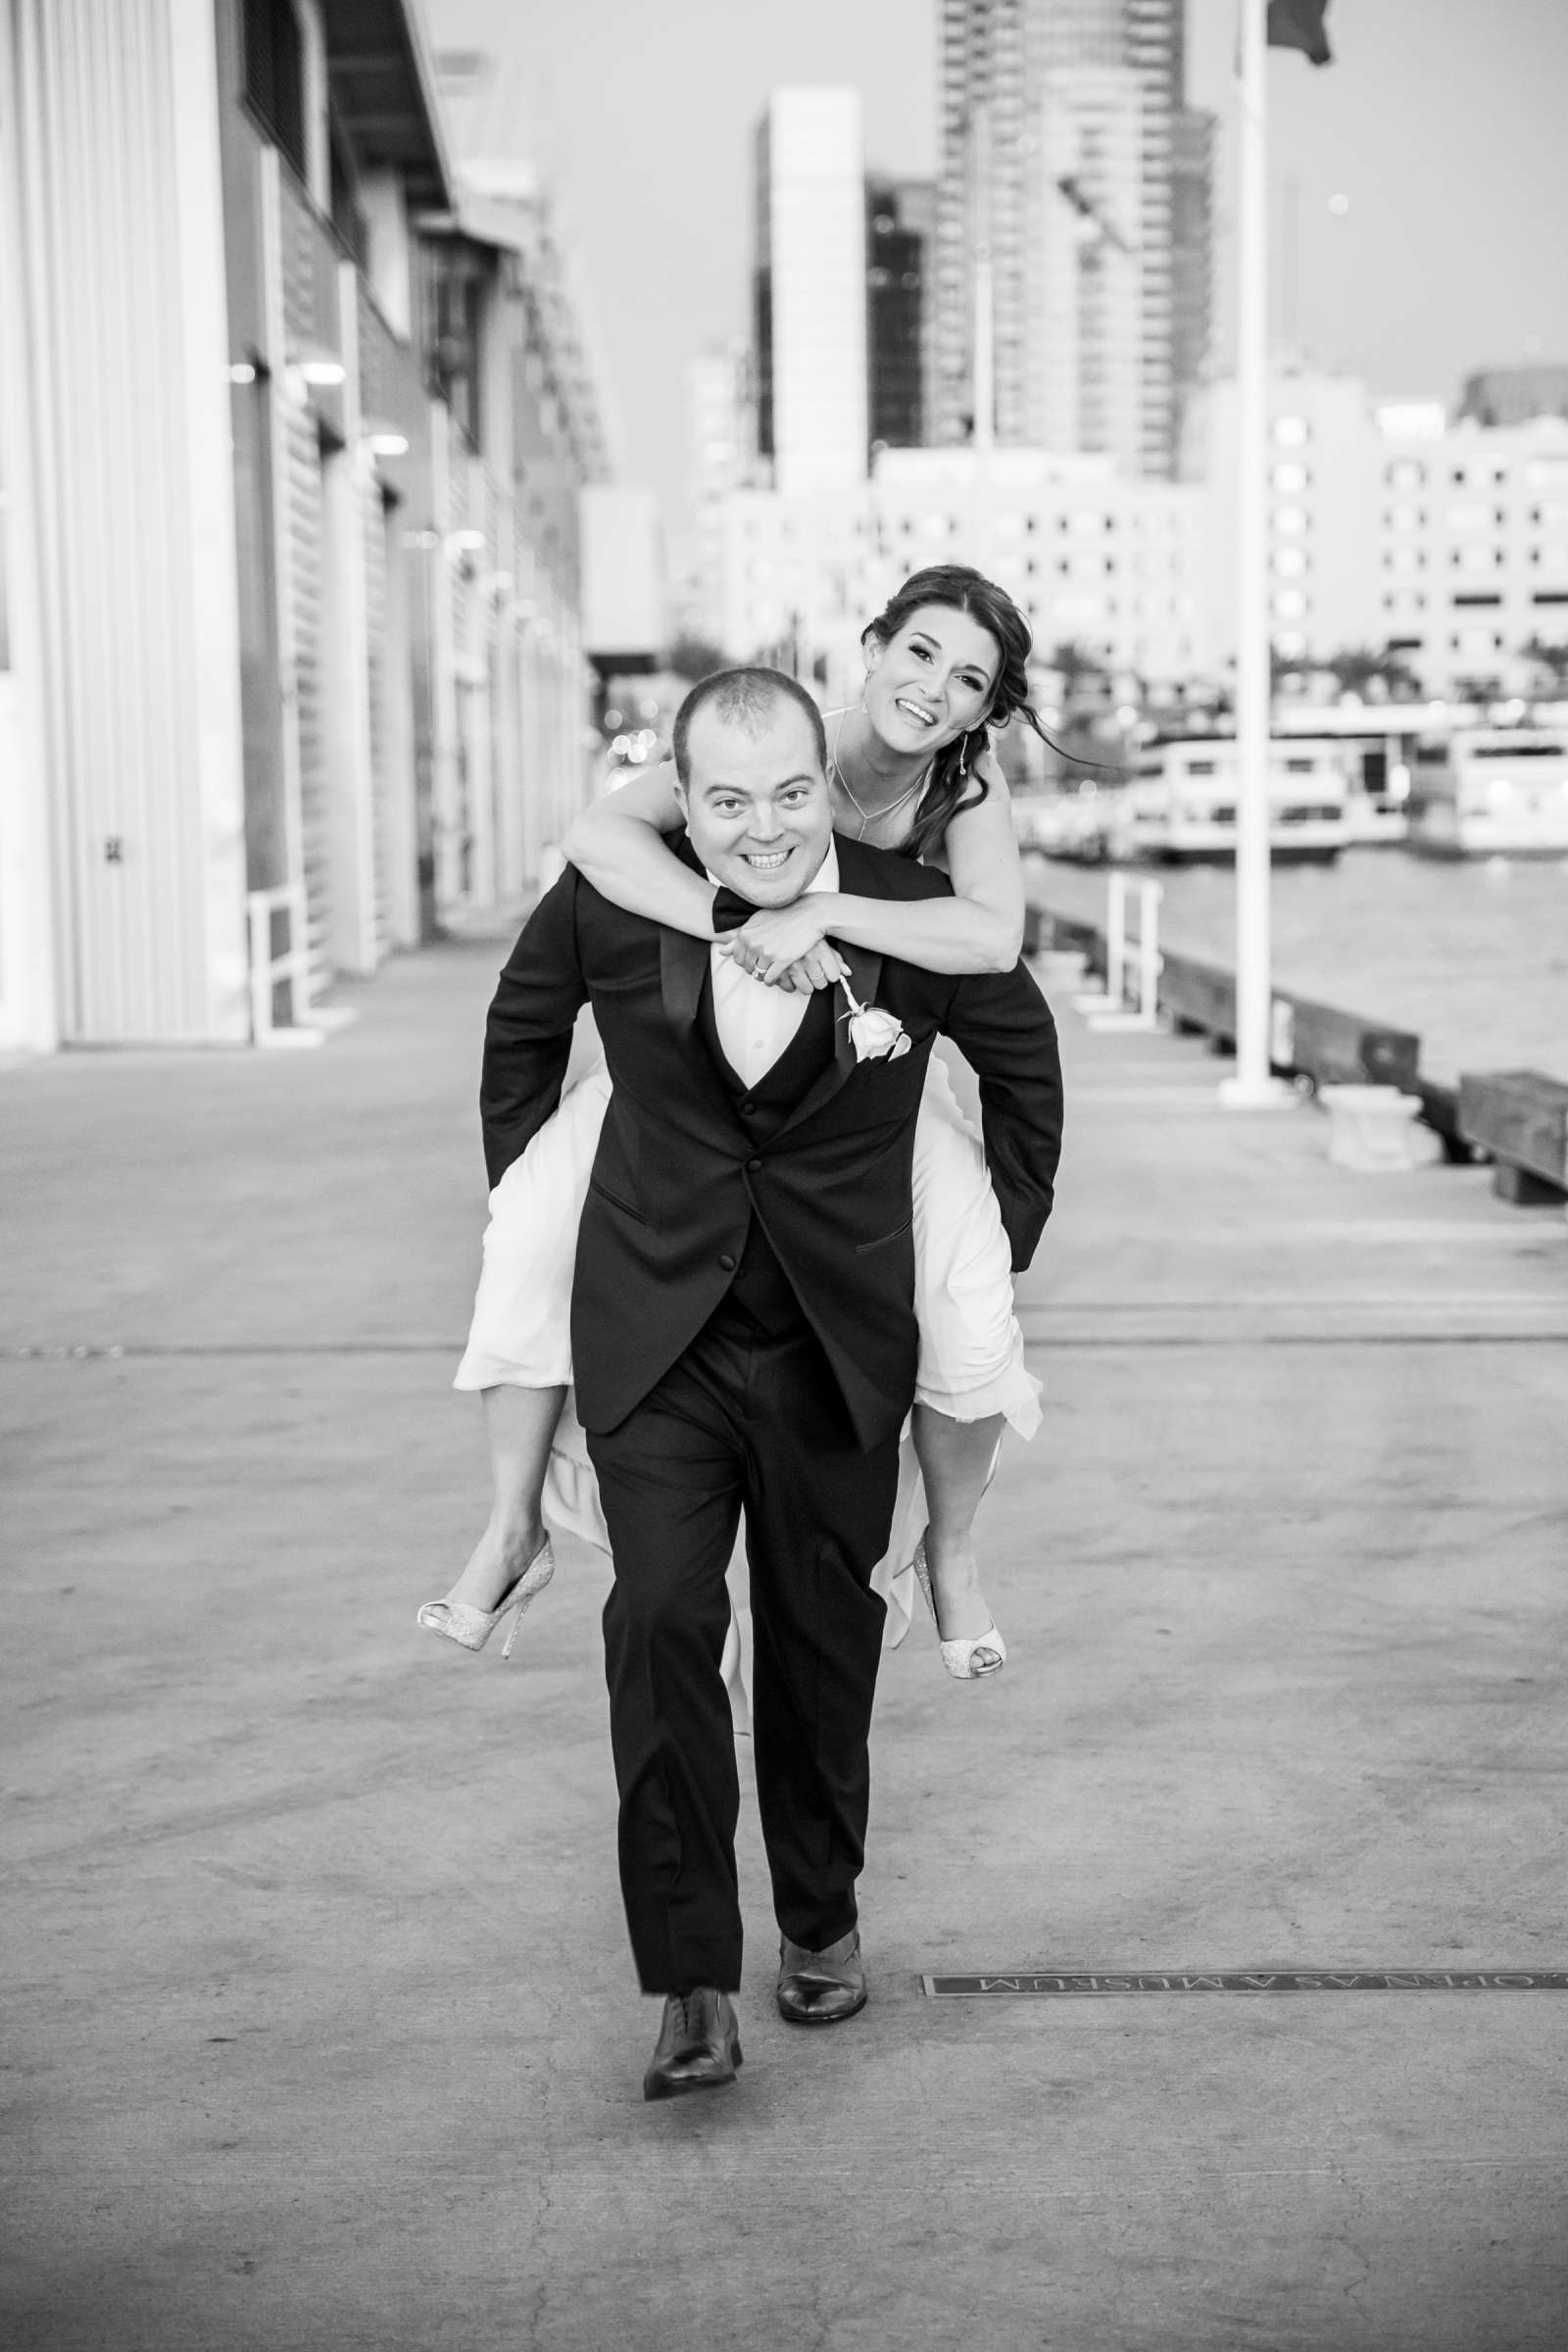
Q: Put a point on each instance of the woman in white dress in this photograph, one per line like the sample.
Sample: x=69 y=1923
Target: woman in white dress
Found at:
x=909 y=769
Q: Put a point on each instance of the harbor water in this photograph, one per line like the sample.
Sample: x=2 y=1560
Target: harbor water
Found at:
x=1474 y=957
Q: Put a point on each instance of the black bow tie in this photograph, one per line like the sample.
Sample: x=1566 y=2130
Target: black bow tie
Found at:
x=730 y=909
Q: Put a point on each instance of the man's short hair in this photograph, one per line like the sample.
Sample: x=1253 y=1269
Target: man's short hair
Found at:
x=747 y=698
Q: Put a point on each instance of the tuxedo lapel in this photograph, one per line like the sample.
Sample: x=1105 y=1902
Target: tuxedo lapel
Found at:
x=682 y=970
x=683 y=967
x=682 y=960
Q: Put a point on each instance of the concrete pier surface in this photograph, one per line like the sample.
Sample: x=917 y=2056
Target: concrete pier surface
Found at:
x=321 y=2029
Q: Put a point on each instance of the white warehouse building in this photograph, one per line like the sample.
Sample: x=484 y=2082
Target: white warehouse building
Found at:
x=1091 y=555
x=1391 y=526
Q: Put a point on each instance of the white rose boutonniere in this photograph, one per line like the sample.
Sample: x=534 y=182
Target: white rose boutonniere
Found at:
x=875 y=1034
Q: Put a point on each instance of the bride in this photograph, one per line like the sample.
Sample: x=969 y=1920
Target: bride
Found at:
x=909 y=769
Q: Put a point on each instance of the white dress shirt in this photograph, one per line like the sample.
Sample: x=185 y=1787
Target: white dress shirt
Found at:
x=755 y=1023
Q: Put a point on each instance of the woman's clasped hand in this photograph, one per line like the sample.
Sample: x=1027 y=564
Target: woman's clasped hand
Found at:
x=786 y=947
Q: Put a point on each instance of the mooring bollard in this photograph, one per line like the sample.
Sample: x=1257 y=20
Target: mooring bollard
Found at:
x=1373 y=1130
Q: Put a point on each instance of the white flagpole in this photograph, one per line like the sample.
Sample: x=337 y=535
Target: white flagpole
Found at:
x=1252 y=1087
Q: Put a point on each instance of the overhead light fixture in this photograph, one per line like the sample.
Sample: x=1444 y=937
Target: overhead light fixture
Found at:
x=320 y=369
x=388 y=444
x=242 y=372
x=464 y=543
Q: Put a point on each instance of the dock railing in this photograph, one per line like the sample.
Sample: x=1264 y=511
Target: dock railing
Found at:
x=280 y=975
x=1128 y=955
x=1517 y=1120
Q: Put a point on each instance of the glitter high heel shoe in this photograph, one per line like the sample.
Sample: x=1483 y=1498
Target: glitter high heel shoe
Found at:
x=472 y=1628
x=965 y=1661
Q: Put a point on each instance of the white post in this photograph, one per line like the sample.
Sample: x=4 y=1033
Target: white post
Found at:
x=304 y=1027
x=1116 y=940
x=1150 y=894
x=1110 y=998
x=1252 y=1087
x=1114 y=1013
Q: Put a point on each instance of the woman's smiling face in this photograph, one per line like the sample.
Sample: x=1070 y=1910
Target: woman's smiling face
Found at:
x=933 y=681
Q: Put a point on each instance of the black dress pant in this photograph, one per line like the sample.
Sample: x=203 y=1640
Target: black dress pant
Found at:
x=748 y=1416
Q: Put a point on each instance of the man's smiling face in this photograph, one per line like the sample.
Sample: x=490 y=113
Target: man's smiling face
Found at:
x=756 y=802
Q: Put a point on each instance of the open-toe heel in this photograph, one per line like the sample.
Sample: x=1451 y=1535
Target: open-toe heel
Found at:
x=965 y=1661
x=471 y=1628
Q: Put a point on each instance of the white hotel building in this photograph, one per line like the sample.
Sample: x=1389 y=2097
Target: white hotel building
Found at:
x=1391 y=526
x=1388 y=528
x=1089 y=555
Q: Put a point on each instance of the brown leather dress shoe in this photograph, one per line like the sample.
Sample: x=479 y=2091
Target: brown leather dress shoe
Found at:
x=699 y=2044
x=821 y=1988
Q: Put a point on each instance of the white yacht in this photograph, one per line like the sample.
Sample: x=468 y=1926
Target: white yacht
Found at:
x=1181 y=809
x=1490 y=791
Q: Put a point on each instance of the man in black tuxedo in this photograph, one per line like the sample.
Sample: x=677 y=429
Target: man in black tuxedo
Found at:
x=742 y=1336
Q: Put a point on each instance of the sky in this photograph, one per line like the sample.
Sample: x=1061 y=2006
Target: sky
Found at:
x=1444 y=122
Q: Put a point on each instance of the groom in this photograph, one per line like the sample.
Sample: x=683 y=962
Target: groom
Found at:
x=743 y=1337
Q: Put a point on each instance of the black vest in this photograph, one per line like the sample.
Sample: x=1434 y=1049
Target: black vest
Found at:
x=762 y=1295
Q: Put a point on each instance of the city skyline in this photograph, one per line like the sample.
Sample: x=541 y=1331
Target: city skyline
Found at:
x=1434 y=270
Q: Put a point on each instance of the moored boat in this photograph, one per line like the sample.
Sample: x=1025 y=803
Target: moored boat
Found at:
x=1181 y=809
x=1490 y=791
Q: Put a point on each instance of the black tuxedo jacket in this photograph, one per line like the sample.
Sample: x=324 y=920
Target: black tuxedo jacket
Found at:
x=680 y=1173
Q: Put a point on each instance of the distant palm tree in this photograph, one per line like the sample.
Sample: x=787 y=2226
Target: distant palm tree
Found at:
x=1076 y=666
x=1361 y=667
x=1404 y=684
x=694 y=658
x=1354 y=670
x=1552 y=658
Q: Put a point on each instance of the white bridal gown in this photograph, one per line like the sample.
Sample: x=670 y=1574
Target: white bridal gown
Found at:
x=971 y=1349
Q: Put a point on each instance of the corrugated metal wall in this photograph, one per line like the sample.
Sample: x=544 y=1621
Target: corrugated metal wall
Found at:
x=378 y=403
x=302 y=520
x=375 y=611
x=310 y=323
x=110 y=153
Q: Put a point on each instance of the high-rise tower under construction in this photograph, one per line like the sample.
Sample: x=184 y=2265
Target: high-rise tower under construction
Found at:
x=1063 y=128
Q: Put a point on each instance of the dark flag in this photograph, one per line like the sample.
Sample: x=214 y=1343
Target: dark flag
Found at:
x=1299 y=25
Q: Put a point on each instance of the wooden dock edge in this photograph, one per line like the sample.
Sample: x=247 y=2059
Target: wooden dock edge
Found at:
x=1517 y=1119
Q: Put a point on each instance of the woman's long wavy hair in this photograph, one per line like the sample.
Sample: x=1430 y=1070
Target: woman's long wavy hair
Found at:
x=954 y=784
